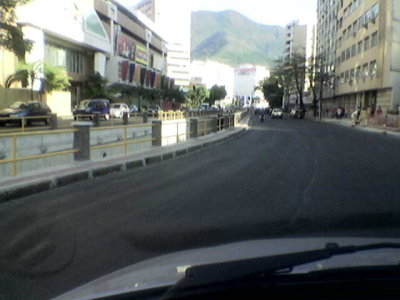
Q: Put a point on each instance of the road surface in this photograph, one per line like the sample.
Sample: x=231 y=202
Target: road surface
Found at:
x=281 y=178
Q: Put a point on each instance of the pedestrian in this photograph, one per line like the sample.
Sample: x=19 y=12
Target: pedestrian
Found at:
x=354 y=117
x=339 y=113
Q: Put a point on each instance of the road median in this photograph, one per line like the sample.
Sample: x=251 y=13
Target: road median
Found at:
x=23 y=186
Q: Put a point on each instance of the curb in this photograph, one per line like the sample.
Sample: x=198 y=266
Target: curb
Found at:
x=377 y=129
x=31 y=188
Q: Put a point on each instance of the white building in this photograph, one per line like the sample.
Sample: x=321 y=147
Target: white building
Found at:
x=246 y=79
x=296 y=39
x=172 y=19
x=88 y=36
x=210 y=73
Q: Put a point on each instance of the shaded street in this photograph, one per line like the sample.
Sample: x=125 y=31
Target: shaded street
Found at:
x=281 y=178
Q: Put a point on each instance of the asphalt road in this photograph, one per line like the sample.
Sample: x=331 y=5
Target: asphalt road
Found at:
x=281 y=178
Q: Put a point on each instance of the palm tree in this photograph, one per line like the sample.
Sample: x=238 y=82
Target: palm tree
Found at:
x=52 y=78
x=31 y=72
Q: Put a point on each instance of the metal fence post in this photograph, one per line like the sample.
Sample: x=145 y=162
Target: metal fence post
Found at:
x=215 y=124
x=125 y=118
x=96 y=119
x=145 y=118
x=194 y=124
x=53 y=121
x=82 y=140
x=157 y=133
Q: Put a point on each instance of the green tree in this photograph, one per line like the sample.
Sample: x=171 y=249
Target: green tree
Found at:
x=11 y=36
x=28 y=73
x=95 y=86
x=318 y=77
x=175 y=94
x=55 y=78
x=197 y=95
x=291 y=74
x=272 y=91
x=217 y=93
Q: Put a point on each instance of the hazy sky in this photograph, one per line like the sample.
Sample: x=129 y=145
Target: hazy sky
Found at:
x=274 y=12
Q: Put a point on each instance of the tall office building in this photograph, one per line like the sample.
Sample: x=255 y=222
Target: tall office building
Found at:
x=172 y=18
x=359 y=41
x=296 y=39
x=296 y=44
x=326 y=43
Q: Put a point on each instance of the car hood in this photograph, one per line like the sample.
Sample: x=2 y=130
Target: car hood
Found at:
x=9 y=111
x=168 y=269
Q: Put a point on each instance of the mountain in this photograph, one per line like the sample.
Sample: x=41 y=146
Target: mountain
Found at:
x=231 y=38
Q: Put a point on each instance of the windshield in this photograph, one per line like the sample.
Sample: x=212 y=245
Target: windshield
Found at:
x=230 y=122
x=18 y=105
x=84 y=104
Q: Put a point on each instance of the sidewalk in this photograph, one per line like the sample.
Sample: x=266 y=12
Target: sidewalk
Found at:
x=40 y=181
x=369 y=127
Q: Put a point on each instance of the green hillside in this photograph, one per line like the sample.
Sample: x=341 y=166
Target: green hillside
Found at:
x=231 y=38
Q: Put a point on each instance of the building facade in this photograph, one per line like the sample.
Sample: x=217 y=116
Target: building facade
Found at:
x=101 y=36
x=367 y=53
x=172 y=19
x=247 y=78
x=327 y=12
x=296 y=39
x=209 y=73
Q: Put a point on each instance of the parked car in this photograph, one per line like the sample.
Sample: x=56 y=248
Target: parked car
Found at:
x=91 y=107
x=25 y=109
x=153 y=110
x=297 y=113
x=277 y=113
x=133 y=109
x=117 y=110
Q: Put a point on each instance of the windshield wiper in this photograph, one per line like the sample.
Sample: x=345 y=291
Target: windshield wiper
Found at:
x=203 y=275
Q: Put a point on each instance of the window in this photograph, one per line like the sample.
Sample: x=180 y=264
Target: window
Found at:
x=342 y=78
x=343 y=58
x=72 y=60
x=355 y=27
x=353 y=50
x=366 y=43
x=372 y=68
x=351 y=75
x=374 y=12
x=365 y=71
x=359 y=47
x=358 y=73
x=374 y=39
x=348 y=53
x=346 y=76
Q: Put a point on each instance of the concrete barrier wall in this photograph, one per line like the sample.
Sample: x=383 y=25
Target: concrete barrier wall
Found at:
x=173 y=132
x=117 y=135
x=41 y=144
x=9 y=96
x=31 y=145
x=59 y=103
x=207 y=126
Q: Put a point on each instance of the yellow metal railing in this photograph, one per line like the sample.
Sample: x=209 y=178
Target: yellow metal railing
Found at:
x=23 y=121
x=15 y=158
x=125 y=141
x=171 y=115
